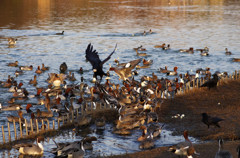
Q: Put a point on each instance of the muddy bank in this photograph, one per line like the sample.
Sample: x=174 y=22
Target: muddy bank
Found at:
x=223 y=102
x=206 y=150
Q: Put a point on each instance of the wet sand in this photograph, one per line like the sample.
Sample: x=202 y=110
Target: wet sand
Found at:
x=223 y=102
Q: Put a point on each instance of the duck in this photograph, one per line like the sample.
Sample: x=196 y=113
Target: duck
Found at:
x=15 y=64
x=16 y=118
x=60 y=33
x=152 y=117
x=75 y=149
x=206 y=49
x=140 y=48
x=236 y=59
x=150 y=31
x=33 y=81
x=44 y=68
x=222 y=153
x=163 y=70
x=209 y=120
x=130 y=124
x=28 y=108
x=12 y=41
x=18 y=72
x=31 y=149
x=47 y=113
x=15 y=87
x=173 y=73
x=83 y=120
x=183 y=148
x=122 y=131
x=125 y=72
x=63 y=68
x=26 y=68
x=190 y=50
x=56 y=79
x=144 y=134
x=6 y=84
x=100 y=122
x=155 y=130
x=71 y=76
x=38 y=71
x=147 y=144
x=227 y=52
x=81 y=70
x=140 y=54
x=11 y=107
x=160 y=46
x=204 y=53
x=147 y=62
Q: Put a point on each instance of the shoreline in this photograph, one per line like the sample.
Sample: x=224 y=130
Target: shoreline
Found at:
x=223 y=102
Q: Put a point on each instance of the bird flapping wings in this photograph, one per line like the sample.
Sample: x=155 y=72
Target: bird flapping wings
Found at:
x=93 y=58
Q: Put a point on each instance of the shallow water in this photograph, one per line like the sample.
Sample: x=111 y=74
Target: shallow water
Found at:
x=182 y=24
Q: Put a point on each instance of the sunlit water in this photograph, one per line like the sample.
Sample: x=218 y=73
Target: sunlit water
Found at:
x=182 y=24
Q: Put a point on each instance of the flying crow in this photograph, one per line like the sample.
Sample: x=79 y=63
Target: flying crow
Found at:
x=97 y=64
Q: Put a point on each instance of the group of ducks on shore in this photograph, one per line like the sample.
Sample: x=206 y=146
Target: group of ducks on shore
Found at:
x=136 y=101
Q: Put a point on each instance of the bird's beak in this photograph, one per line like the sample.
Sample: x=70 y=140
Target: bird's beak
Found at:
x=107 y=78
x=94 y=70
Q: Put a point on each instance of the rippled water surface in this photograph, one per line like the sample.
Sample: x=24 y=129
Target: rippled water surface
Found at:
x=180 y=23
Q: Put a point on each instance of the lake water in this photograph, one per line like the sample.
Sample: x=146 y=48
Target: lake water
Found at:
x=180 y=23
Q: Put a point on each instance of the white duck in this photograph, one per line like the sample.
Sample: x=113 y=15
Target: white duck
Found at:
x=31 y=149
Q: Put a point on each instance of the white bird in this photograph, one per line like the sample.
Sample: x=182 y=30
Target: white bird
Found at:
x=31 y=149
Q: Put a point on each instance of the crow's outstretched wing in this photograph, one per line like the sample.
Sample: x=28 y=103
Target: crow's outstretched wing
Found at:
x=92 y=56
x=105 y=60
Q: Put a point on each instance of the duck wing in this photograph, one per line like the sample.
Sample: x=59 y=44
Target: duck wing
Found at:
x=105 y=60
x=92 y=56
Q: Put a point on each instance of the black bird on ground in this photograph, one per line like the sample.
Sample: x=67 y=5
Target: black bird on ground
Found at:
x=208 y=120
x=97 y=64
x=63 y=68
x=211 y=83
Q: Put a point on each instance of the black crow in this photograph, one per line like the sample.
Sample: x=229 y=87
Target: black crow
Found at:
x=63 y=68
x=208 y=120
x=97 y=64
x=211 y=83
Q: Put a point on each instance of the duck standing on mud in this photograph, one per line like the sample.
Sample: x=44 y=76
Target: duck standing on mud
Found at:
x=97 y=64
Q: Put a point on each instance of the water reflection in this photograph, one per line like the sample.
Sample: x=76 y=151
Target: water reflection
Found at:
x=42 y=14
